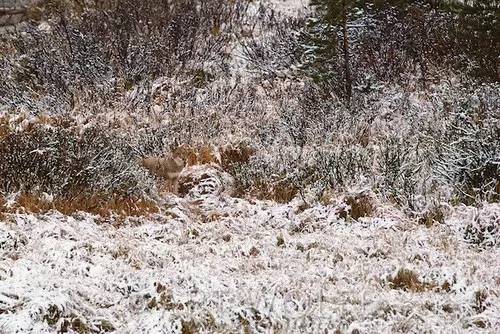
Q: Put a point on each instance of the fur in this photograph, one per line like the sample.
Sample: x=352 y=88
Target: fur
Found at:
x=165 y=168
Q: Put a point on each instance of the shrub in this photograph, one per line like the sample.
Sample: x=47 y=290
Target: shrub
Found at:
x=466 y=152
x=95 y=51
x=264 y=180
x=66 y=162
x=432 y=215
x=484 y=228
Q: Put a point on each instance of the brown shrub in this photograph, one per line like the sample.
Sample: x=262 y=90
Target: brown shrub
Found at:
x=34 y=13
x=284 y=193
x=436 y=214
x=480 y=298
x=236 y=154
x=280 y=192
x=2 y=205
x=55 y=121
x=189 y=327
x=226 y=156
x=207 y=154
x=327 y=197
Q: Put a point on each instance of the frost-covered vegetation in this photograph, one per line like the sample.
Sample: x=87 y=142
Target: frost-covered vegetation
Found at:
x=343 y=166
x=214 y=264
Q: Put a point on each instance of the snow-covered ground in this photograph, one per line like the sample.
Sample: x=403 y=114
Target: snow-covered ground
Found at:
x=212 y=263
x=289 y=7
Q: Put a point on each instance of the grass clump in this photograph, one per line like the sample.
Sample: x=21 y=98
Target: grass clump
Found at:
x=361 y=204
x=408 y=280
x=434 y=215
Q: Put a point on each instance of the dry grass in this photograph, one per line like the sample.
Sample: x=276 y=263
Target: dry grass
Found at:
x=408 y=280
x=4 y=128
x=236 y=154
x=432 y=216
x=281 y=192
x=102 y=205
x=361 y=204
x=7 y=123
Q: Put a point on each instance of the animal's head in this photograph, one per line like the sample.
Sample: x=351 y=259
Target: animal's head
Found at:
x=163 y=166
x=179 y=162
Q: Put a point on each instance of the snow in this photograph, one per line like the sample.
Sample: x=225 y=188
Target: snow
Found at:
x=224 y=263
x=291 y=8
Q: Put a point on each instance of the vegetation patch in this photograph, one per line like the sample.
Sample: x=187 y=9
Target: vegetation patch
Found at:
x=103 y=205
x=408 y=280
x=433 y=215
x=361 y=204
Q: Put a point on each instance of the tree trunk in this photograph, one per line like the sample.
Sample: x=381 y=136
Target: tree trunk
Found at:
x=348 y=80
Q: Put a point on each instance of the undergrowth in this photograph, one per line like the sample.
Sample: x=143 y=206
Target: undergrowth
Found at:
x=125 y=81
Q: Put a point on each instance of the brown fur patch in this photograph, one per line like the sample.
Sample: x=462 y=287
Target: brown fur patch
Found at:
x=196 y=155
x=225 y=156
